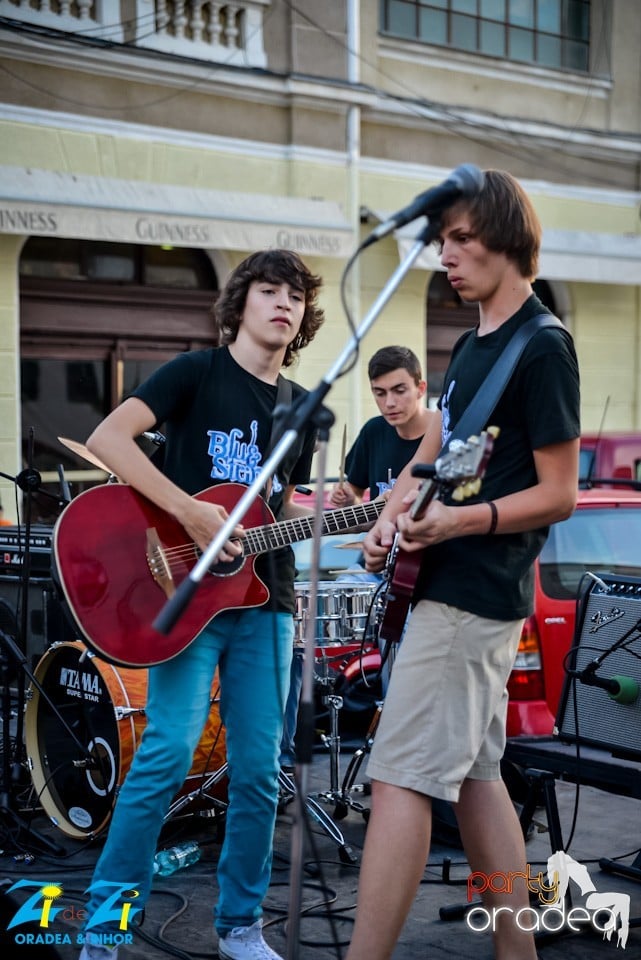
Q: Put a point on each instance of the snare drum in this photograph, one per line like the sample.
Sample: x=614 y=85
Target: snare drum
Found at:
x=342 y=612
x=104 y=706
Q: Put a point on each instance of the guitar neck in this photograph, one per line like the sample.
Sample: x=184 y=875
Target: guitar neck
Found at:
x=284 y=532
x=426 y=492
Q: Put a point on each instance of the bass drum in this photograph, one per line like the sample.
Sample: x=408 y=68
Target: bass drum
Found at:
x=104 y=707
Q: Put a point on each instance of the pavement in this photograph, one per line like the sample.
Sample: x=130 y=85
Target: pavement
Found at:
x=309 y=909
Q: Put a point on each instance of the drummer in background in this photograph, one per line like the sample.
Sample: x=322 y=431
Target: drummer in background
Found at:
x=382 y=448
x=386 y=443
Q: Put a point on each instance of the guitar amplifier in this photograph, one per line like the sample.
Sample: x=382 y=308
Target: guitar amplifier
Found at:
x=12 y=549
x=47 y=622
x=609 y=651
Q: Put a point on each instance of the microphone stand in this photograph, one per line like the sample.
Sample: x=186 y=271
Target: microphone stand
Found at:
x=307 y=410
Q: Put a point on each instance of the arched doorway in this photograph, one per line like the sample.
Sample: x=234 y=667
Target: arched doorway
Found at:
x=448 y=317
x=96 y=319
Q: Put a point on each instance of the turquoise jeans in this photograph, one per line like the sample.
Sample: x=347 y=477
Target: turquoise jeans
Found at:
x=253 y=651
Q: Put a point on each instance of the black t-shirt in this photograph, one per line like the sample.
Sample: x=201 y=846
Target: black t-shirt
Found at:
x=217 y=421
x=378 y=456
x=493 y=576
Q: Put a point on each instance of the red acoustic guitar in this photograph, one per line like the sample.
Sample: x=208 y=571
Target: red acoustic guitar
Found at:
x=118 y=558
x=461 y=469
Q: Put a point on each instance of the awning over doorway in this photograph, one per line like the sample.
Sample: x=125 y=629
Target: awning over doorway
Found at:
x=51 y=203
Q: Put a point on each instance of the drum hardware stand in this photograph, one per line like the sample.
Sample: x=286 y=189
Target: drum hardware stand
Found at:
x=11 y=766
x=288 y=787
x=336 y=794
x=340 y=796
x=29 y=481
x=345 y=852
x=359 y=755
x=212 y=779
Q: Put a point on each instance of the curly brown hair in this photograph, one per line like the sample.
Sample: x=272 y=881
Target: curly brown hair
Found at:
x=269 y=266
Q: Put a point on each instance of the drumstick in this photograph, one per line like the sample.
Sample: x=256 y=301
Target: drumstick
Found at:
x=341 y=469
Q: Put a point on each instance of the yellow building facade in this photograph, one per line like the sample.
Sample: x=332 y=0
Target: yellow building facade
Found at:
x=269 y=124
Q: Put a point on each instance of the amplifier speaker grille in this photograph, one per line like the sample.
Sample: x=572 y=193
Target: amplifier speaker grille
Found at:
x=612 y=620
x=46 y=621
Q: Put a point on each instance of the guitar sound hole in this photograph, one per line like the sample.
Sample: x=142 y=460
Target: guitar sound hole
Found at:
x=221 y=568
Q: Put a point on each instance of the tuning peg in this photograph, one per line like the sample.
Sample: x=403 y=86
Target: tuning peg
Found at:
x=473 y=487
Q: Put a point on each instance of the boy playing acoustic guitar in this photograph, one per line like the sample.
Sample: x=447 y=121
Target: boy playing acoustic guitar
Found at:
x=216 y=407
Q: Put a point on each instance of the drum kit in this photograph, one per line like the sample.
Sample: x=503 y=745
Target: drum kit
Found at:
x=84 y=717
x=347 y=669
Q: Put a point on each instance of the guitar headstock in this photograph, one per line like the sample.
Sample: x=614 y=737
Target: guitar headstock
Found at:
x=465 y=463
x=461 y=468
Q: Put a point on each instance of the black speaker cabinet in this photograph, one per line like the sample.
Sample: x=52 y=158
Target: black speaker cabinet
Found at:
x=46 y=621
x=610 y=633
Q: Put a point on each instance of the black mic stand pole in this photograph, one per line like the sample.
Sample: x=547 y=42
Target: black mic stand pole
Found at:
x=301 y=413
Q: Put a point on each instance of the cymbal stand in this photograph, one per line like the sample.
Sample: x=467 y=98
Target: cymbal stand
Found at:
x=288 y=787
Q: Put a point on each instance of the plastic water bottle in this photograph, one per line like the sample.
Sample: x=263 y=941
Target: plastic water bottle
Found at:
x=167 y=862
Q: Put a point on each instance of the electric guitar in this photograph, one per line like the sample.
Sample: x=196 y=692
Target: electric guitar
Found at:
x=460 y=469
x=117 y=558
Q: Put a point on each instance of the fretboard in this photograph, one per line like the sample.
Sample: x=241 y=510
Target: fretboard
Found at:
x=281 y=534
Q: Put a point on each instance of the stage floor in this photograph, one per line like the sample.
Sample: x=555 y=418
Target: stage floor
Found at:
x=178 y=917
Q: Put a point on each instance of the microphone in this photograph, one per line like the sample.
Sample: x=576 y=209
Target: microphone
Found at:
x=465 y=181
x=620 y=689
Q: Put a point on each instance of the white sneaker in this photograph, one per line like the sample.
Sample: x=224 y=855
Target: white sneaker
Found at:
x=95 y=951
x=246 y=943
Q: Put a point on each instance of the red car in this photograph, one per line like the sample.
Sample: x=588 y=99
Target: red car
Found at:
x=603 y=534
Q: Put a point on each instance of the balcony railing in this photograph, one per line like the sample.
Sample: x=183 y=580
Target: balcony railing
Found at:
x=89 y=17
x=202 y=29
x=225 y=32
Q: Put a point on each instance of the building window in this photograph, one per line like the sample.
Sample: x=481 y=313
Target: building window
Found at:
x=117 y=263
x=96 y=319
x=552 y=33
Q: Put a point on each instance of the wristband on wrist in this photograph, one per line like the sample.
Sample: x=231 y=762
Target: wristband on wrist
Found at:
x=495 y=517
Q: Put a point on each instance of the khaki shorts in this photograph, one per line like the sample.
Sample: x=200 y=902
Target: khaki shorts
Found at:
x=444 y=715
